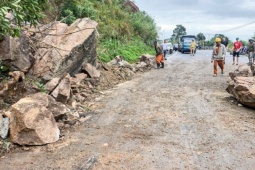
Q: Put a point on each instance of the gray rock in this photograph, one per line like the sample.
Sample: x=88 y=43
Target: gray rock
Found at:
x=141 y=65
x=68 y=49
x=51 y=85
x=243 y=89
x=32 y=122
x=91 y=70
x=242 y=71
x=4 y=126
x=17 y=53
x=63 y=90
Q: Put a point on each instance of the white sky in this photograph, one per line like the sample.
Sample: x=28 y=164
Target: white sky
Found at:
x=207 y=16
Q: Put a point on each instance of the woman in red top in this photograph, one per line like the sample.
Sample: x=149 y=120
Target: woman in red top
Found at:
x=236 y=51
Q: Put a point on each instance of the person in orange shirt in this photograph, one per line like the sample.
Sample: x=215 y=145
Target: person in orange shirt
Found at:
x=159 y=55
x=218 y=56
x=192 y=47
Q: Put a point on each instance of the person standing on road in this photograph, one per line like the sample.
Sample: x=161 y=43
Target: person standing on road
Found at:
x=218 y=56
x=251 y=51
x=192 y=47
x=225 y=43
x=159 y=55
x=164 y=47
x=236 y=50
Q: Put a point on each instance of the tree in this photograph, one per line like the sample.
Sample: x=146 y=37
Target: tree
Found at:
x=211 y=42
x=20 y=12
x=201 y=38
x=177 y=32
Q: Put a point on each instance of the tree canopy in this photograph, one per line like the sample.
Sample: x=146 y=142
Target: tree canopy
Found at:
x=200 y=37
x=212 y=40
x=177 y=32
x=20 y=12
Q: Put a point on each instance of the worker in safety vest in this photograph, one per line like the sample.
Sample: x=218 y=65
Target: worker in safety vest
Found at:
x=251 y=51
x=218 y=56
x=159 y=55
x=192 y=47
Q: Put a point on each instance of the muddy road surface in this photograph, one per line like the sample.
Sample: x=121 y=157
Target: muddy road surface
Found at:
x=179 y=117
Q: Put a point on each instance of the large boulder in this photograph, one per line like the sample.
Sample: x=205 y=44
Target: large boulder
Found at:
x=243 y=89
x=62 y=92
x=242 y=71
x=131 y=5
x=17 y=52
x=32 y=120
x=65 y=49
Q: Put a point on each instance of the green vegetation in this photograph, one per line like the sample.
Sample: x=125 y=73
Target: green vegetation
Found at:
x=22 y=11
x=211 y=42
x=130 y=49
x=40 y=86
x=177 y=32
x=3 y=68
x=201 y=38
x=121 y=31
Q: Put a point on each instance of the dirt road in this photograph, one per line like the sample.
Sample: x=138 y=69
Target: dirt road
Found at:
x=179 y=117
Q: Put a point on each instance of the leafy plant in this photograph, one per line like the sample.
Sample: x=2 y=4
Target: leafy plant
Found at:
x=129 y=49
x=6 y=144
x=40 y=86
x=122 y=32
x=3 y=68
x=21 y=12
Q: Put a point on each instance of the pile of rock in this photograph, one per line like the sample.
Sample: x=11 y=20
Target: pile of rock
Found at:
x=36 y=119
x=242 y=85
x=65 y=61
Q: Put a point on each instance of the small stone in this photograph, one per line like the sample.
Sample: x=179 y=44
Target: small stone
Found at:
x=67 y=126
x=106 y=145
x=240 y=105
x=26 y=148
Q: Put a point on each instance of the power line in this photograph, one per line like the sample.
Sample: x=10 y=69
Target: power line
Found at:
x=238 y=27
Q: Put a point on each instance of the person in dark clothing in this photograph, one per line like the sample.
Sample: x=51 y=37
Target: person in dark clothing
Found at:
x=159 y=55
x=251 y=51
x=224 y=41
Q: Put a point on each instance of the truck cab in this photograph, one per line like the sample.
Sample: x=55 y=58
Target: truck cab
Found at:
x=185 y=41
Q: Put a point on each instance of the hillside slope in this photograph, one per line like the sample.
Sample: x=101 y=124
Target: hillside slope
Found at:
x=123 y=29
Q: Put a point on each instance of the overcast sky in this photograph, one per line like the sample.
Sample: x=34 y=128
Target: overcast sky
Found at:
x=207 y=16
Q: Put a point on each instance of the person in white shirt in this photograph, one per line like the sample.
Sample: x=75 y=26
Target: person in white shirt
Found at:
x=163 y=45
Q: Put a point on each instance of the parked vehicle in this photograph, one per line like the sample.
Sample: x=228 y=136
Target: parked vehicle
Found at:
x=185 y=41
x=169 y=47
x=175 y=48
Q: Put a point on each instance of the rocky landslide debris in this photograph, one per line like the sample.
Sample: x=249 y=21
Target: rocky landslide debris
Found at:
x=242 y=85
x=64 y=59
x=36 y=119
x=32 y=121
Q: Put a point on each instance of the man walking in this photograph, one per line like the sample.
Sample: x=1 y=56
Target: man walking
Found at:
x=159 y=55
x=218 y=56
x=236 y=50
x=164 y=47
x=251 y=51
x=192 y=47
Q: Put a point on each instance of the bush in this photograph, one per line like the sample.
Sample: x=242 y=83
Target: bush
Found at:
x=22 y=11
x=130 y=50
x=121 y=31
